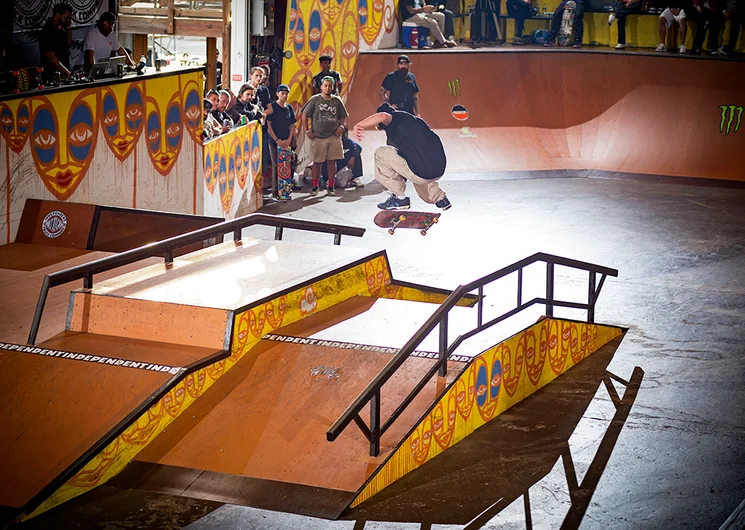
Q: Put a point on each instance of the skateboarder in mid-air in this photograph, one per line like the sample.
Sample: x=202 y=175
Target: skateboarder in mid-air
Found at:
x=413 y=153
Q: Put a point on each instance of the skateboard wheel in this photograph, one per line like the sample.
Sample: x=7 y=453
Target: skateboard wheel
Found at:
x=436 y=220
x=423 y=232
x=390 y=231
x=402 y=218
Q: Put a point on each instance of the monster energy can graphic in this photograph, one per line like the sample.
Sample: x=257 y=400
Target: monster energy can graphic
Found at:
x=730 y=114
x=454 y=87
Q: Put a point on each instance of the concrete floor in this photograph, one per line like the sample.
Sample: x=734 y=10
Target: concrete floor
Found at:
x=676 y=461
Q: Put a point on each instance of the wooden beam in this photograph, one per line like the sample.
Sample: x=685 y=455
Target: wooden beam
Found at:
x=226 y=25
x=177 y=12
x=139 y=46
x=188 y=27
x=169 y=3
x=211 y=63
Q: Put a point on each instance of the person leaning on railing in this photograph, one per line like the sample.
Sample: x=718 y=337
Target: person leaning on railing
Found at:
x=247 y=103
x=211 y=128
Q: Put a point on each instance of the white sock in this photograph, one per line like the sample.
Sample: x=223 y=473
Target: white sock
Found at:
x=400 y=197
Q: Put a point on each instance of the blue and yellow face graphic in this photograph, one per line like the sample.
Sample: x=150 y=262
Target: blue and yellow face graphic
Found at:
x=370 y=14
x=224 y=182
x=210 y=178
x=347 y=59
x=193 y=110
x=122 y=112
x=164 y=126
x=330 y=11
x=256 y=154
x=15 y=118
x=62 y=145
x=307 y=34
x=241 y=170
x=488 y=384
x=246 y=142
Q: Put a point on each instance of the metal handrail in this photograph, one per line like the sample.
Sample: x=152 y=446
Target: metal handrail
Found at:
x=168 y=246
x=371 y=394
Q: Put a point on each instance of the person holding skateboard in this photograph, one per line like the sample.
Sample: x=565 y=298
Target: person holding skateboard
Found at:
x=414 y=153
x=280 y=120
x=556 y=22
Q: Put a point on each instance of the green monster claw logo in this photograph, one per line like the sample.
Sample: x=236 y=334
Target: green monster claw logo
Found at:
x=728 y=116
x=454 y=87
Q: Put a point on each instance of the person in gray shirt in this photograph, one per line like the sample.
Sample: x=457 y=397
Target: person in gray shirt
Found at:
x=325 y=121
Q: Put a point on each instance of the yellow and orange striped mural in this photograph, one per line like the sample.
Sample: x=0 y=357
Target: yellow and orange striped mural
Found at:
x=494 y=381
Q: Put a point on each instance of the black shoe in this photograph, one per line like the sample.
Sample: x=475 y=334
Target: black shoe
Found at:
x=394 y=203
x=444 y=204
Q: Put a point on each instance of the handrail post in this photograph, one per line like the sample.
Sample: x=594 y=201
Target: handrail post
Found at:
x=169 y=254
x=591 y=298
x=337 y=238
x=238 y=234
x=519 y=287
x=39 y=310
x=375 y=423
x=549 y=289
x=278 y=232
x=443 y=346
x=480 y=308
x=88 y=280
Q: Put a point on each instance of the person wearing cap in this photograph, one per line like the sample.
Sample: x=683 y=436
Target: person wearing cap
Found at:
x=414 y=153
x=100 y=42
x=399 y=88
x=280 y=120
x=211 y=128
x=325 y=119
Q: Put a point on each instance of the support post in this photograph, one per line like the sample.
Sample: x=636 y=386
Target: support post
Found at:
x=225 y=52
x=139 y=46
x=211 y=82
x=375 y=424
x=443 y=371
x=591 y=298
x=549 y=289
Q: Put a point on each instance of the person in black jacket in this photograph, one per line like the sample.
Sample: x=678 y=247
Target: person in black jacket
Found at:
x=414 y=153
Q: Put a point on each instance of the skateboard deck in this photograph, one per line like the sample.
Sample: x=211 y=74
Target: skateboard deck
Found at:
x=284 y=173
x=393 y=219
x=567 y=23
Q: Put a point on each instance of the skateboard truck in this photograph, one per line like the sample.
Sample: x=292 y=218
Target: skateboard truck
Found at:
x=401 y=218
x=428 y=226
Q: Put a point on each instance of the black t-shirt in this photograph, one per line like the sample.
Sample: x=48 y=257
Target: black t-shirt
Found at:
x=51 y=39
x=402 y=89
x=221 y=117
x=264 y=96
x=281 y=118
x=319 y=77
x=250 y=110
x=417 y=144
x=408 y=3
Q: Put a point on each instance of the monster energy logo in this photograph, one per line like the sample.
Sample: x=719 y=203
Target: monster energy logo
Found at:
x=728 y=116
x=454 y=87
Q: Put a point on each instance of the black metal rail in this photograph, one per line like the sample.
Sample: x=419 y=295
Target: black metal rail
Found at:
x=371 y=394
x=167 y=247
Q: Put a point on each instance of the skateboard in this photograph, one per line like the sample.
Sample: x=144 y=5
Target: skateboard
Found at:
x=567 y=23
x=284 y=173
x=392 y=219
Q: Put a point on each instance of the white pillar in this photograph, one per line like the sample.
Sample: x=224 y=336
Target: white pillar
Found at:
x=239 y=43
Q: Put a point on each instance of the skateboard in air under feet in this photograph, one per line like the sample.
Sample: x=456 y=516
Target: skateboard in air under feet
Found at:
x=393 y=219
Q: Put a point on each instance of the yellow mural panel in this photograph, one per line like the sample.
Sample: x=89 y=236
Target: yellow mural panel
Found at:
x=494 y=381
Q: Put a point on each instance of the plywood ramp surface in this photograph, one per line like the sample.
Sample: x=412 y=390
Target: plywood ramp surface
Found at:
x=53 y=410
x=268 y=416
x=146 y=351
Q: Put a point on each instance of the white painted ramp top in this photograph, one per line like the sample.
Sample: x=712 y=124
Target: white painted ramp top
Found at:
x=230 y=276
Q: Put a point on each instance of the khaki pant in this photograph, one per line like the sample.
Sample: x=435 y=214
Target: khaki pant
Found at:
x=434 y=21
x=392 y=171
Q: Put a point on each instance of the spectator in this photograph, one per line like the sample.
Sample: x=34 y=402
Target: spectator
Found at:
x=449 y=20
x=519 y=10
x=214 y=97
x=707 y=16
x=280 y=120
x=735 y=13
x=352 y=159
x=55 y=40
x=419 y=13
x=326 y=71
x=222 y=117
x=621 y=10
x=414 y=153
x=228 y=106
x=579 y=12
x=670 y=16
x=400 y=89
x=325 y=117
x=262 y=92
x=247 y=103
x=211 y=128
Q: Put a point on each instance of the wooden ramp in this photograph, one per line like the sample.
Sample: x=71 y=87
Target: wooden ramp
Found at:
x=70 y=396
x=266 y=421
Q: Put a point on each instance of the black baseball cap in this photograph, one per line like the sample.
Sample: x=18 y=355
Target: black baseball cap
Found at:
x=107 y=16
x=403 y=58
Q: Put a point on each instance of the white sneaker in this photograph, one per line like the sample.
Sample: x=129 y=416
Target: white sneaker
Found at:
x=662 y=48
x=682 y=48
x=611 y=19
x=721 y=51
x=357 y=183
x=620 y=46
